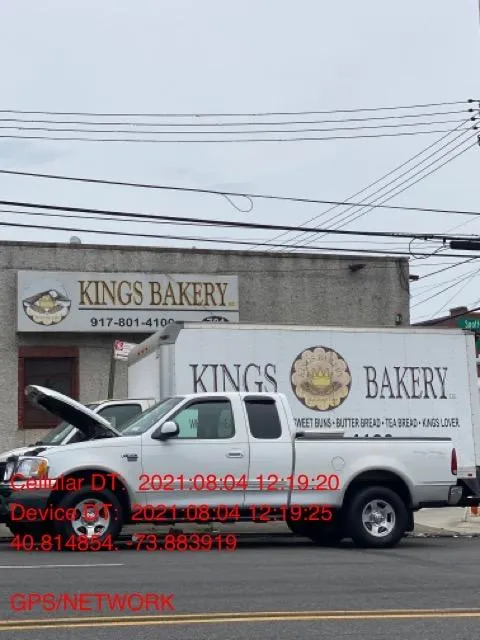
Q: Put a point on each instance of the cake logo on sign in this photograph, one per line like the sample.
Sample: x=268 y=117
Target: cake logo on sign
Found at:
x=47 y=307
x=320 y=378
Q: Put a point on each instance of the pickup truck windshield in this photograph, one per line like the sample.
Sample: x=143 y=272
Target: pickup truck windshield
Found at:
x=148 y=418
x=60 y=432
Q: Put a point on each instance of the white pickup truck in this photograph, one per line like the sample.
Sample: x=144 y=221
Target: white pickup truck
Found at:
x=228 y=450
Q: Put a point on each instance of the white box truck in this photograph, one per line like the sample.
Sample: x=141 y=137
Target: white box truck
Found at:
x=405 y=382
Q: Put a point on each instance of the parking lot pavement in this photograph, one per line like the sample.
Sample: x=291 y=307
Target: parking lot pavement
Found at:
x=266 y=577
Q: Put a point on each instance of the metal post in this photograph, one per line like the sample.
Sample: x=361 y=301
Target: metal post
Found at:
x=111 y=375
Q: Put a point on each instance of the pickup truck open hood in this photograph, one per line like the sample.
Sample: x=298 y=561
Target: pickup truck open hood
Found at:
x=73 y=412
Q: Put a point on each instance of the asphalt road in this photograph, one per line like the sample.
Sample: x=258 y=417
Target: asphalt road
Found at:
x=269 y=587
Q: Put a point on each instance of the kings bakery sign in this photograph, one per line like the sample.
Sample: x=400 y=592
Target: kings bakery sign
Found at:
x=49 y=301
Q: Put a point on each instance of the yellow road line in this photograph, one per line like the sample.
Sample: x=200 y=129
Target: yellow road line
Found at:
x=229 y=618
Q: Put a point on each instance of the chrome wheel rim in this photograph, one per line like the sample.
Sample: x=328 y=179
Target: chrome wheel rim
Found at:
x=92 y=518
x=378 y=518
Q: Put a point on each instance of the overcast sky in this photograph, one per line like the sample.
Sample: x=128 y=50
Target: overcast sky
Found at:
x=212 y=56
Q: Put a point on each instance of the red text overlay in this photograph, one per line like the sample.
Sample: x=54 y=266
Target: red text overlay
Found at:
x=141 y=542
x=195 y=482
x=92 y=602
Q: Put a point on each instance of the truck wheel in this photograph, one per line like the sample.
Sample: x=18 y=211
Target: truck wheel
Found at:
x=377 y=517
x=97 y=514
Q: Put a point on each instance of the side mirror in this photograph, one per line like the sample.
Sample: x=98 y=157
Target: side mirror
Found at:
x=168 y=430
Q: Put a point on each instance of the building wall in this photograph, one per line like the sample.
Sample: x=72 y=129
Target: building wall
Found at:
x=273 y=288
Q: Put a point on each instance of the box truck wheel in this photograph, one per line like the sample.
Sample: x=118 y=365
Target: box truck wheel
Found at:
x=376 y=517
x=92 y=514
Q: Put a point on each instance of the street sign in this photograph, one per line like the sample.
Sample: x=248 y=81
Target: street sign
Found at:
x=469 y=323
x=122 y=349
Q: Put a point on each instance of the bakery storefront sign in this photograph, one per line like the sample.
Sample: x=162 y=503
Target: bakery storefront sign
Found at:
x=50 y=301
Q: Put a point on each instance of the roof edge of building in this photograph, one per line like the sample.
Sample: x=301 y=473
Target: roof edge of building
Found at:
x=241 y=252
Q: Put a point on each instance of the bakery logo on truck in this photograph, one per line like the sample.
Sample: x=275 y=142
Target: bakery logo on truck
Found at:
x=47 y=307
x=320 y=378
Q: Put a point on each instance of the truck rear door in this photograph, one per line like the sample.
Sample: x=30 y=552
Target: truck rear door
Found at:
x=271 y=451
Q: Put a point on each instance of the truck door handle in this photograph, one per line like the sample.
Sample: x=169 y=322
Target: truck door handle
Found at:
x=235 y=454
x=131 y=457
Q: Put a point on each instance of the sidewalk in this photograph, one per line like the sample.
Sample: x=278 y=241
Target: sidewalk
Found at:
x=449 y=521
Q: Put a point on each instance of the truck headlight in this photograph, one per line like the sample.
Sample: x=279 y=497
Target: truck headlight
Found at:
x=9 y=467
x=32 y=468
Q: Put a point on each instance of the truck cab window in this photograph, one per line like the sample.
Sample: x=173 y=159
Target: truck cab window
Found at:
x=263 y=418
x=119 y=414
x=206 y=421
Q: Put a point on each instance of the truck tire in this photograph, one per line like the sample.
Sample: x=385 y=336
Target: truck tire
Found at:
x=298 y=527
x=98 y=514
x=325 y=534
x=376 y=517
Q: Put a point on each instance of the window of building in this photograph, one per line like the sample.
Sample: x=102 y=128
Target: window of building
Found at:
x=206 y=420
x=52 y=367
x=263 y=418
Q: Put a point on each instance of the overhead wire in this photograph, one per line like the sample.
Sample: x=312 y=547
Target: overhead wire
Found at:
x=231 y=223
x=394 y=191
x=254 y=114
x=438 y=293
x=230 y=132
x=199 y=190
x=222 y=141
x=456 y=293
x=234 y=123
x=382 y=178
x=360 y=214
x=420 y=291
x=154 y=220
x=163 y=236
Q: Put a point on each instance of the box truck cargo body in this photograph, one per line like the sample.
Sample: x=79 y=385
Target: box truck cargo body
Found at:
x=398 y=382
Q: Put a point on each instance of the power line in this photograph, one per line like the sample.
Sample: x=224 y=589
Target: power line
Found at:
x=232 y=124
x=372 y=205
x=465 y=284
x=369 y=186
x=210 y=240
x=227 y=115
x=233 y=223
x=224 y=141
x=405 y=173
x=367 y=204
x=230 y=132
x=451 y=266
x=419 y=291
x=259 y=196
x=154 y=220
